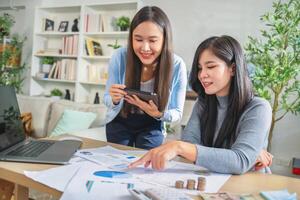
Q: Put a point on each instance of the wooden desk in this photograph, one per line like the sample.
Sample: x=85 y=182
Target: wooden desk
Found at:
x=248 y=183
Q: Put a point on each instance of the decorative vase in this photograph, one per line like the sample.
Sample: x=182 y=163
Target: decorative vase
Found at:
x=68 y=95
x=123 y=28
x=46 y=68
x=97 y=100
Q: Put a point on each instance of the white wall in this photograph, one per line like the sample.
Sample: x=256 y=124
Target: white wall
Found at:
x=192 y=22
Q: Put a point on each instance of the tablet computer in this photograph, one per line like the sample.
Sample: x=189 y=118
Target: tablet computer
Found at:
x=145 y=96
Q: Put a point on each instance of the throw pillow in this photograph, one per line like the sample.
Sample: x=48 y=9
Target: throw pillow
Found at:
x=72 y=120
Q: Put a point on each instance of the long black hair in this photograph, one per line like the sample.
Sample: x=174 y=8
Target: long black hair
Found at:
x=229 y=50
x=164 y=69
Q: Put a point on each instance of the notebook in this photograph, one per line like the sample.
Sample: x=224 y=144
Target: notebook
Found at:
x=13 y=143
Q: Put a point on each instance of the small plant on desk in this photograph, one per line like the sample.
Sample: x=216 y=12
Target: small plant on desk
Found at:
x=123 y=22
x=56 y=94
x=115 y=45
x=47 y=63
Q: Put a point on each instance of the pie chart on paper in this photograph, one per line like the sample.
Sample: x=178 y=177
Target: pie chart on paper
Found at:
x=112 y=174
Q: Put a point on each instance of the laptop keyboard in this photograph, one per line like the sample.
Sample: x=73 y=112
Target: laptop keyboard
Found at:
x=31 y=149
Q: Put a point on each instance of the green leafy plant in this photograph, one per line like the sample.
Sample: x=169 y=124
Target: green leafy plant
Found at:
x=11 y=114
x=123 y=22
x=115 y=45
x=277 y=60
x=48 y=60
x=169 y=129
x=6 y=22
x=56 y=92
x=11 y=68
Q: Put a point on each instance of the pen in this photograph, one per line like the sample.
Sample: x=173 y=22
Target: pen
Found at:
x=129 y=185
x=138 y=194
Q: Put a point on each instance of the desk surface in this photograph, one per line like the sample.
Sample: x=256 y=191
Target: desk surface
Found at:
x=238 y=184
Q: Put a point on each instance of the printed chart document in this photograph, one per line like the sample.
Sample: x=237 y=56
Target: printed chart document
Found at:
x=90 y=183
x=95 y=171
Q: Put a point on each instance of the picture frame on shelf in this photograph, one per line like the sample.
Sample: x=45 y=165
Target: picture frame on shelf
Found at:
x=49 y=25
x=63 y=26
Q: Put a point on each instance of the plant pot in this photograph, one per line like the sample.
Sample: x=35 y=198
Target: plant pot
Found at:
x=46 y=68
x=124 y=28
x=56 y=98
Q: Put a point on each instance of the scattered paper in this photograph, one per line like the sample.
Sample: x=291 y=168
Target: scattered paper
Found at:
x=107 y=156
x=57 y=177
x=80 y=179
x=85 y=185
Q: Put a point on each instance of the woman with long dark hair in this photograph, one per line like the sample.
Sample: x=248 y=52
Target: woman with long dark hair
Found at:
x=148 y=64
x=229 y=126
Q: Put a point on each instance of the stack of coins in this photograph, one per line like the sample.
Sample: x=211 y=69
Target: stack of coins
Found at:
x=179 y=184
x=201 y=183
x=191 y=184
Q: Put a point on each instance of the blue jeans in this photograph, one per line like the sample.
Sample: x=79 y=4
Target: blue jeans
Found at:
x=137 y=130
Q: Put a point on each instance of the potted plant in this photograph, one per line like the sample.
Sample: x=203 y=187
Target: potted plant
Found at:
x=276 y=58
x=115 y=45
x=112 y=47
x=47 y=63
x=123 y=22
x=56 y=94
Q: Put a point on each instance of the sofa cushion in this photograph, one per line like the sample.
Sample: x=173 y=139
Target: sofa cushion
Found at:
x=39 y=108
x=72 y=120
x=58 y=107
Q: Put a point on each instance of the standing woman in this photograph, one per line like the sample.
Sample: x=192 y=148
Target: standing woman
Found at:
x=148 y=64
x=228 y=128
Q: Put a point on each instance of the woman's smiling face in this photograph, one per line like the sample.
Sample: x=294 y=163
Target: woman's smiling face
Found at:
x=147 y=42
x=214 y=74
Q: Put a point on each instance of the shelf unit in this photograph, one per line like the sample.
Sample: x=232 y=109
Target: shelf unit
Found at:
x=82 y=88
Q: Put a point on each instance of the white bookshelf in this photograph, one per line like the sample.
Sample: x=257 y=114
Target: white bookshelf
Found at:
x=87 y=80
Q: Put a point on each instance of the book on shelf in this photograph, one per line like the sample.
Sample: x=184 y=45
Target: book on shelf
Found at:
x=52 y=70
x=63 y=69
x=93 y=47
x=86 y=25
x=107 y=23
x=96 y=74
x=93 y=73
x=94 y=22
x=70 y=45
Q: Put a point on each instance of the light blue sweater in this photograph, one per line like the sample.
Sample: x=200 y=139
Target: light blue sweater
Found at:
x=116 y=75
x=252 y=136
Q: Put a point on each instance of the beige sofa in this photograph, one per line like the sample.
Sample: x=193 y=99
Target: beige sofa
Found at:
x=46 y=113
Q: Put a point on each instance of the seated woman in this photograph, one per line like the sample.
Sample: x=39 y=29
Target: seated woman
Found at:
x=229 y=126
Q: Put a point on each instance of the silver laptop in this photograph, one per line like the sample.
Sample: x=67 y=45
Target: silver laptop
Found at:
x=15 y=147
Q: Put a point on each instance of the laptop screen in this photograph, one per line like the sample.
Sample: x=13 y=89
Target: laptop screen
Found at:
x=11 y=128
